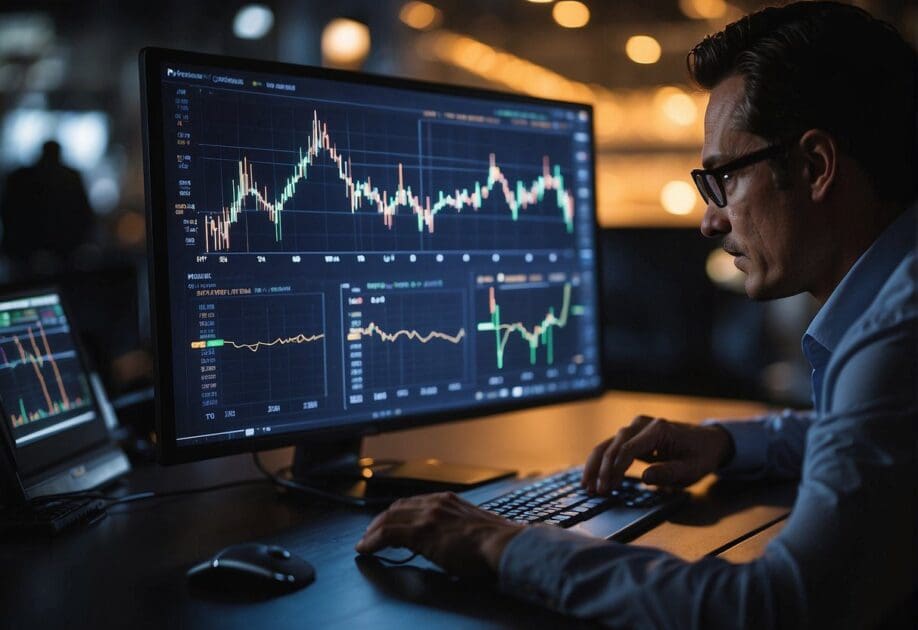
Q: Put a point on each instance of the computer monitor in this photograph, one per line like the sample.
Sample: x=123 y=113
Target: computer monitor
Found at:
x=60 y=441
x=336 y=254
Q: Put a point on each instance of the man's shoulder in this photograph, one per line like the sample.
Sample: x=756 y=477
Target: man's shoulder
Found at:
x=875 y=360
x=893 y=310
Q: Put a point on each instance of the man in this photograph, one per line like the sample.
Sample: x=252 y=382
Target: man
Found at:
x=809 y=156
x=45 y=213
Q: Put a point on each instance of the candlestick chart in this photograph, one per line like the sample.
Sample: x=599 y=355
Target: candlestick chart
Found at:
x=329 y=183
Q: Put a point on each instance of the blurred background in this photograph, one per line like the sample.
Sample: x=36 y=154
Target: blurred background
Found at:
x=676 y=318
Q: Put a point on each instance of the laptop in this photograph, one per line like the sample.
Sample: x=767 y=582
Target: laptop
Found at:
x=55 y=434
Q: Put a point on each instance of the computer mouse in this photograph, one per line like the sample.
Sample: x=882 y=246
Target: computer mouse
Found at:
x=252 y=569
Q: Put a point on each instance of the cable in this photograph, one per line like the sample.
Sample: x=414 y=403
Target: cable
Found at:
x=273 y=478
x=141 y=496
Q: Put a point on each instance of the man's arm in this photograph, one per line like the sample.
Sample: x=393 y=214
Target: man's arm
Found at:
x=770 y=446
x=845 y=556
x=681 y=454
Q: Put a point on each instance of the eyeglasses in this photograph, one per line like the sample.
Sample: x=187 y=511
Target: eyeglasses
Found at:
x=710 y=182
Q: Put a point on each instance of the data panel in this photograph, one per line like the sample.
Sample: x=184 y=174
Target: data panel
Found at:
x=343 y=251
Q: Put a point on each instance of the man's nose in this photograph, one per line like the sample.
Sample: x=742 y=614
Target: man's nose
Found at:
x=714 y=223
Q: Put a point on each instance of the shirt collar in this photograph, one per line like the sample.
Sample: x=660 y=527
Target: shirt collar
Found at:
x=857 y=290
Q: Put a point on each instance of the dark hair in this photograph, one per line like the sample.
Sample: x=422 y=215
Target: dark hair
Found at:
x=51 y=150
x=829 y=66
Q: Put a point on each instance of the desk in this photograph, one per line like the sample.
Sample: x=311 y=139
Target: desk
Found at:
x=128 y=570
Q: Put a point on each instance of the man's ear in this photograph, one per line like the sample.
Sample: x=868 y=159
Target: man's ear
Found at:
x=820 y=162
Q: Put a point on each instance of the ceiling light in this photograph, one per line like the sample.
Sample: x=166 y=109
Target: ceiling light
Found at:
x=643 y=49
x=676 y=105
x=253 y=21
x=345 y=42
x=703 y=9
x=678 y=197
x=24 y=35
x=571 y=14
x=420 y=15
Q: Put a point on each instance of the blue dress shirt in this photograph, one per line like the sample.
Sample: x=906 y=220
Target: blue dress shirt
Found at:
x=847 y=554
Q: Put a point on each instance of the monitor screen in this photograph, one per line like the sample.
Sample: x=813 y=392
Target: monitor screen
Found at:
x=42 y=382
x=334 y=251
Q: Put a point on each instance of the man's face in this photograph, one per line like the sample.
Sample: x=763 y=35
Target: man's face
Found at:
x=763 y=227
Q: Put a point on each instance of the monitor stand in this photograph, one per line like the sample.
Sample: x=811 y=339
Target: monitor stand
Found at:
x=338 y=466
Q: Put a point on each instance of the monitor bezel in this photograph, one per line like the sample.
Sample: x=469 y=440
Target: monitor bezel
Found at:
x=46 y=454
x=168 y=451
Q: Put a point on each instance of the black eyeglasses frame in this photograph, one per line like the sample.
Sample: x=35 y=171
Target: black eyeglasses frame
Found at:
x=703 y=177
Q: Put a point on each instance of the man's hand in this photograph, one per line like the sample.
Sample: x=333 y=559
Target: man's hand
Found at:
x=453 y=533
x=681 y=453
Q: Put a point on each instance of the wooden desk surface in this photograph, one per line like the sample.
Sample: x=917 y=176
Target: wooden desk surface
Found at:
x=128 y=570
x=548 y=438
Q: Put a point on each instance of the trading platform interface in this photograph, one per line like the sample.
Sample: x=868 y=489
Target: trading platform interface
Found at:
x=42 y=381
x=345 y=252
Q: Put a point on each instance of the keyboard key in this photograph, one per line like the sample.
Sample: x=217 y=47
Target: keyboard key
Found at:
x=559 y=500
x=569 y=501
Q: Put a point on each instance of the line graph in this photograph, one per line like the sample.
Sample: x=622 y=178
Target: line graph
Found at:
x=397 y=339
x=266 y=351
x=412 y=335
x=536 y=336
x=41 y=383
x=254 y=347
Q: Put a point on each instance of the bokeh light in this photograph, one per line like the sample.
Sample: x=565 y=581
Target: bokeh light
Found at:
x=253 y=21
x=678 y=197
x=643 y=49
x=571 y=14
x=345 y=42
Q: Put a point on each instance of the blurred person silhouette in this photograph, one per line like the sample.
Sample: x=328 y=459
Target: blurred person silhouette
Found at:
x=45 y=213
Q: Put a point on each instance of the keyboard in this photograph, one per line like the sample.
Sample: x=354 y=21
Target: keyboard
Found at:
x=559 y=500
x=51 y=517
